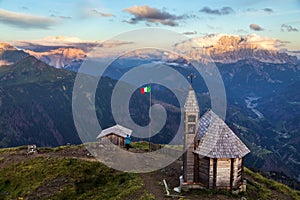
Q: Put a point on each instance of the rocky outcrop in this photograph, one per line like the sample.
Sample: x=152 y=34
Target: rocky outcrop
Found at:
x=66 y=58
x=231 y=49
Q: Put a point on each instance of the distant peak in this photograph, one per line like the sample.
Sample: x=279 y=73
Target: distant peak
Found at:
x=226 y=40
x=30 y=59
x=233 y=48
x=6 y=46
x=61 y=57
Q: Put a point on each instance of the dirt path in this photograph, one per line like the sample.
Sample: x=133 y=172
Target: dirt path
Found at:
x=153 y=181
x=153 y=186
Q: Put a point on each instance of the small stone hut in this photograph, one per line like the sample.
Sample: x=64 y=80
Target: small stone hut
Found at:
x=115 y=134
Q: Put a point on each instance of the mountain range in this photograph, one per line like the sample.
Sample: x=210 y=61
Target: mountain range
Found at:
x=262 y=87
x=220 y=48
x=231 y=49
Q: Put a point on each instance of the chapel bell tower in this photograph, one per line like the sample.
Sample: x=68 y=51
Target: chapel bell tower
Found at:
x=191 y=115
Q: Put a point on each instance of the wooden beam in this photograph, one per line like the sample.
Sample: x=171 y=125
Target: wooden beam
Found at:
x=231 y=172
x=242 y=170
x=196 y=168
x=215 y=173
x=185 y=166
x=208 y=173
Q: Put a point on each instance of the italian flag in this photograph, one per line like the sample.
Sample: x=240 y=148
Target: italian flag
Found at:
x=145 y=89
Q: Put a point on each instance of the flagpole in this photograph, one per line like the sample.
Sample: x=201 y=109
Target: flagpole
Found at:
x=150 y=119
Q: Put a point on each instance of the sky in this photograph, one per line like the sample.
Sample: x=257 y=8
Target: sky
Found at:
x=90 y=20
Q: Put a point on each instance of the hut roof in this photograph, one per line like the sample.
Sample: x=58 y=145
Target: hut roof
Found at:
x=191 y=103
x=117 y=129
x=217 y=140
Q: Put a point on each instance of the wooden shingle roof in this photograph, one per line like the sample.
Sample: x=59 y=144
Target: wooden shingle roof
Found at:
x=217 y=140
x=117 y=129
x=191 y=103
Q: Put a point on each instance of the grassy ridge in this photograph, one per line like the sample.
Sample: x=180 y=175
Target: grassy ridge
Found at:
x=51 y=175
x=263 y=183
x=65 y=178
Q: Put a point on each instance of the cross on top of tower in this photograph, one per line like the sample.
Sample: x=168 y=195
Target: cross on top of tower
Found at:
x=191 y=77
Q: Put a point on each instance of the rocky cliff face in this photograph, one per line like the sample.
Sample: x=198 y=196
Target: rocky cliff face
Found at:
x=231 y=49
x=66 y=58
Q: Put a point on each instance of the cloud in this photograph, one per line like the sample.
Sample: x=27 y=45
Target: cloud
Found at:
x=268 y=10
x=222 y=11
x=241 y=31
x=54 y=42
x=255 y=27
x=24 y=8
x=54 y=11
x=25 y=21
x=288 y=28
x=151 y=15
x=257 y=12
x=251 y=10
x=101 y=14
x=190 y=33
x=57 y=14
x=212 y=27
x=65 y=17
x=264 y=42
x=60 y=16
x=293 y=53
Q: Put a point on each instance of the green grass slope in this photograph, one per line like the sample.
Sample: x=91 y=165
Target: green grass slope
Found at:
x=65 y=178
x=68 y=173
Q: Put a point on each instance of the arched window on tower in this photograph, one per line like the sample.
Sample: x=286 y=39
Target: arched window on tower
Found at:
x=191 y=128
x=191 y=118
